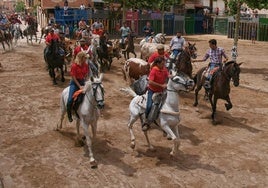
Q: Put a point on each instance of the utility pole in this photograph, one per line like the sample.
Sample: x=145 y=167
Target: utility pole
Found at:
x=124 y=10
x=236 y=35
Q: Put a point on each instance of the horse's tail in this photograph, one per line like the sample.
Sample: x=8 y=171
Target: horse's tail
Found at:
x=129 y=91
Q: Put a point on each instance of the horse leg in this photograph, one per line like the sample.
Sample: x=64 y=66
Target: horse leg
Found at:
x=197 y=89
x=63 y=111
x=41 y=37
x=174 y=137
x=78 y=140
x=52 y=75
x=151 y=147
x=62 y=74
x=214 y=106
x=228 y=105
x=134 y=54
x=92 y=160
x=131 y=121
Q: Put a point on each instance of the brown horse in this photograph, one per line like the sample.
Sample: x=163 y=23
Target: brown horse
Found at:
x=129 y=46
x=6 y=37
x=220 y=85
x=183 y=62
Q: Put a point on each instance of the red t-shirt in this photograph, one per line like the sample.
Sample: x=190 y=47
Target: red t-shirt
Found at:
x=159 y=76
x=98 y=32
x=79 y=49
x=80 y=72
x=51 y=37
x=155 y=55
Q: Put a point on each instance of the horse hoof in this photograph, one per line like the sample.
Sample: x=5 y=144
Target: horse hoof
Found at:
x=93 y=164
x=195 y=104
x=63 y=80
x=214 y=122
x=132 y=145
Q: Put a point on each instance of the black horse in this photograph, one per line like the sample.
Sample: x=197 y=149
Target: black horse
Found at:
x=183 y=61
x=220 y=85
x=128 y=46
x=54 y=57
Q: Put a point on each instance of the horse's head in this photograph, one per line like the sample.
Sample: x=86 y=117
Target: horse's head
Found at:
x=95 y=85
x=160 y=38
x=181 y=82
x=232 y=69
x=191 y=49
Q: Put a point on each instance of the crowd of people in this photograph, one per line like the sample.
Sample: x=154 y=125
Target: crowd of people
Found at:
x=81 y=68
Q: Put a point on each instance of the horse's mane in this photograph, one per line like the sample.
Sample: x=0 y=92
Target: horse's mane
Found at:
x=229 y=62
x=88 y=86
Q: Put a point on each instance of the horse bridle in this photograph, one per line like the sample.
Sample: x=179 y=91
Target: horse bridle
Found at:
x=178 y=81
x=95 y=86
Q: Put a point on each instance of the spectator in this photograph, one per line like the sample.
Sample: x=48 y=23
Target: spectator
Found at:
x=125 y=31
x=148 y=31
x=82 y=7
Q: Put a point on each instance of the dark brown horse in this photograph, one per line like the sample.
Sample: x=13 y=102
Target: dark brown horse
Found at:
x=30 y=31
x=54 y=57
x=129 y=46
x=183 y=62
x=6 y=37
x=220 y=85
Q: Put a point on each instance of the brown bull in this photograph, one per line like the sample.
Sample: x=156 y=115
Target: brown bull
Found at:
x=134 y=68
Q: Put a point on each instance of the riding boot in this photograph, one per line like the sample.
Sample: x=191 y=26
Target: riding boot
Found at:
x=69 y=112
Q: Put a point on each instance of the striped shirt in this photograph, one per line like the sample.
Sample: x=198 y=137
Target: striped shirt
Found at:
x=215 y=55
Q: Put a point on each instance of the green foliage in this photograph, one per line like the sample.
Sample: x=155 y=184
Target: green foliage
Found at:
x=20 y=6
x=146 y=4
x=259 y=4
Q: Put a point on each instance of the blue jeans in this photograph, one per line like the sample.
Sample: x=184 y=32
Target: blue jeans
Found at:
x=149 y=102
x=211 y=67
x=73 y=89
x=176 y=52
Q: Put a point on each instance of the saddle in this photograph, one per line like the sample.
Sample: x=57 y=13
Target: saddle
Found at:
x=78 y=97
x=140 y=86
x=158 y=101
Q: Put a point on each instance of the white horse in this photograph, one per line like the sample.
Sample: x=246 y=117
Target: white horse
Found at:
x=159 y=38
x=88 y=111
x=17 y=33
x=169 y=116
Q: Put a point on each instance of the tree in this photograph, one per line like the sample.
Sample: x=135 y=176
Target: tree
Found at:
x=235 y=6
x=163 y=5
x=20 y=6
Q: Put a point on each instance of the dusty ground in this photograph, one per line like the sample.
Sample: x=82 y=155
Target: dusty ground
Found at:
x=232 y=154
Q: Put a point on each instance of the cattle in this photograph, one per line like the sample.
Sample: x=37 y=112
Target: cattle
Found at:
x=114 y=49
x=134 y=68
x=148 y=48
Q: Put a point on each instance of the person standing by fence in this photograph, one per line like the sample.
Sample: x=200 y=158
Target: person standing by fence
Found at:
x=148 y=31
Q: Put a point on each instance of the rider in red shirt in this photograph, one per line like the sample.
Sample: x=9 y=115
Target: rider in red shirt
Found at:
x=79 y=73
x=159 y=53
x=51 y=36
x=158 y=78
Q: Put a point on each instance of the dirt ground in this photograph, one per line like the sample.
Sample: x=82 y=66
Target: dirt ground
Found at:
x=232 y=154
